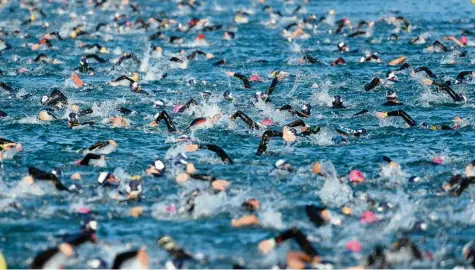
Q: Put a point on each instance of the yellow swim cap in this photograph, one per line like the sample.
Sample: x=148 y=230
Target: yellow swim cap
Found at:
x=3 y=263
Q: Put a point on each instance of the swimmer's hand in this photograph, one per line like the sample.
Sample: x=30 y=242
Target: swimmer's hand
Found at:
x=316 y=168
x=267 y=245
x=182 y=178
x=191 y=147
x=427 y=81
x=28 y=180
x=288 y=136
x=245 y=221
x=230 y=73
x=220 y=185
x=153 y=124
x=66 y=249
x=381 y=115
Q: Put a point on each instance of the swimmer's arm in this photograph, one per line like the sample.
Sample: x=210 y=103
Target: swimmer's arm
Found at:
x=400 y=113
x=272 y=86
x=288 y=108
x=220 y=152
x=187 y=105
x=247 y=220
x=267 y=135
x=375 y=82
x=455 y=40
x=296 y=234
x=297 y=123
x=97 y=58
x=463 y=74
x=426 y=70
x=252 y=124
x=246 y=82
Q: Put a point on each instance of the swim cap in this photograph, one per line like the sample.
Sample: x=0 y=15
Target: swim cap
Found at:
x=201 y=36
x=354 y=246
x=340 y=45
x=368 y=217
x=159 y=165
x=337 y=100
x=280 y=163
x=227 y=95
x=464 y=40
x=159 y=103
x=102 y=177
x=97 y=264
x=255 y=78
x=356 y=176
x=437 y=160
x=267 y=122
x=177 y=108
x=44 y=99
x=391 y=94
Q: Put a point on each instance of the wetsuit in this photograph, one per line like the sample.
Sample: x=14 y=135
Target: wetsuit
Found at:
x=252 y=124
x=267 y=135
x=426 y=70
x=246 y=82
x=300 y=239
x=444 y=87
x=220 y=152
x=290 y=109
x=168 y=121
x=375 y=82
x=38 y=174
x=187 y=105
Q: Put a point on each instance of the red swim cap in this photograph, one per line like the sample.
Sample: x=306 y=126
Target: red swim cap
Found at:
x=368 y=217
x=201 y=36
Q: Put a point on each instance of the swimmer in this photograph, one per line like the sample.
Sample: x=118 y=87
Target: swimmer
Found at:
x=211 y=147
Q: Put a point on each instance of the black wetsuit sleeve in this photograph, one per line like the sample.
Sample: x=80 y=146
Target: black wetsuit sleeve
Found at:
x=358 y=33
x=220 y=152
x=88 y=157
x=81 y=238
x=97 y=58
x=300 y=238
x=447 y=89
x=404 y=116
x=122 y=257
x=187 y=105
x=40 y=259
x=375 y=82
x=427 y=71
x=463 y=74
x=203 y=177
x=5 y=86
x=272 y=86
x=404 y=66
x=246 y=82
x=288 y=108
x=310 y=59
x=267 y=135
x=84 y=112
x=252 y=124
x=362 y=112
x=168 y=121
x=297 y=123
x=311 y=130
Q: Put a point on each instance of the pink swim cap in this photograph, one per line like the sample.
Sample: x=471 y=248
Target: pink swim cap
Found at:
x=267 y=122
x=464 y=40
x=356 y=176
x=368 y=217
x=437 y=160
x=255 y=78
x=171 y=209
x=84 y=210
x=354 y=246
x=177 y=108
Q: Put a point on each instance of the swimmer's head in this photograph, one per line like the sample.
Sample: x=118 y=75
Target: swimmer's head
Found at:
x=159 y=103
x=83 y=61
x=136 y=87
x=44 y=99
x=337 y=101
x=391 y=95
x=283 y=165
x=391 y=76
x=306 y=109
x=227 y=95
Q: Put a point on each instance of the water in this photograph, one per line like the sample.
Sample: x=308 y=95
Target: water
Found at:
x=46 y=213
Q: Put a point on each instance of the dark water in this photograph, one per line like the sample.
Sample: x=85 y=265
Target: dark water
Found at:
x=46 y=213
